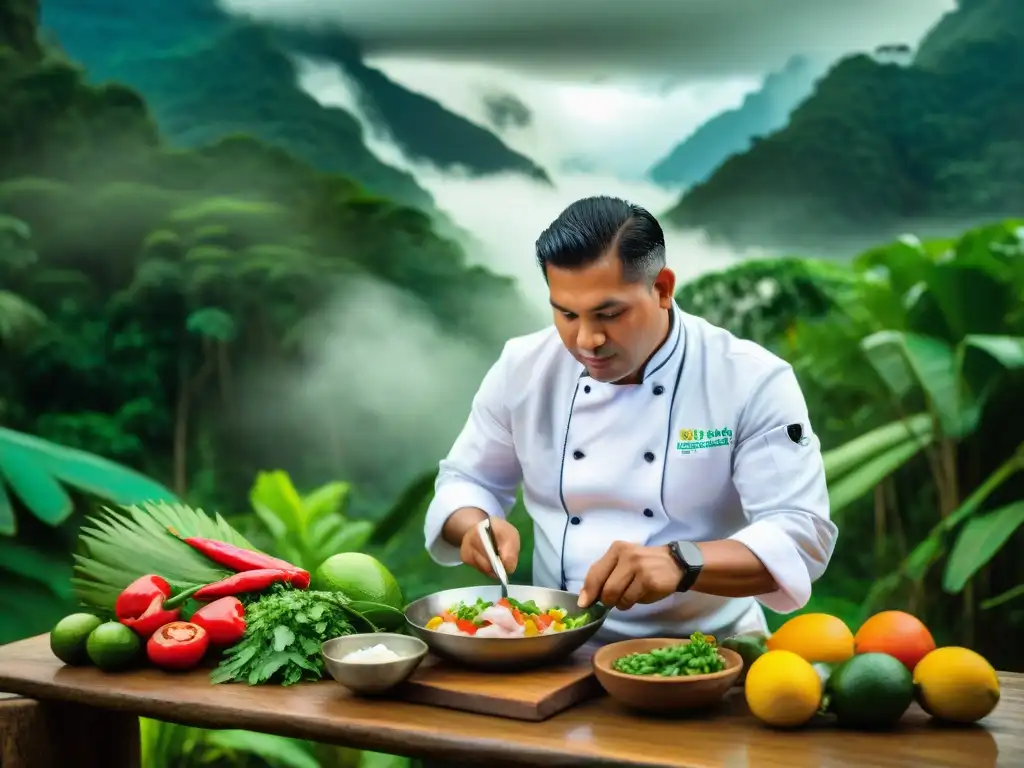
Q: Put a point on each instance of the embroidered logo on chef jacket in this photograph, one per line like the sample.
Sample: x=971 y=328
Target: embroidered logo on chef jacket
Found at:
x=693 y=441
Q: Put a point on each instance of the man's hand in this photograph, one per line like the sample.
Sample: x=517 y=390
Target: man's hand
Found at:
x=628 y=574
x=507 y=538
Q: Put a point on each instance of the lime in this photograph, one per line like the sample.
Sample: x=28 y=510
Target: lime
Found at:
x=870 y=690
x=112 y=646
x=68 y=638
x=364 y=580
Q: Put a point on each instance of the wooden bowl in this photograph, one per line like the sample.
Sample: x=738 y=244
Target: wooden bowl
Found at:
x=650 y=693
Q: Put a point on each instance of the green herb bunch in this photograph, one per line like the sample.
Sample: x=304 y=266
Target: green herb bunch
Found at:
x=284 y=631
x=698 y=657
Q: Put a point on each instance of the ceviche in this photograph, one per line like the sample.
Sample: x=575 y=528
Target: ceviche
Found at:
x=505 y=618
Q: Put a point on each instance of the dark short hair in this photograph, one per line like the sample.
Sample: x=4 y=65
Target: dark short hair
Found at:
x=593 y=226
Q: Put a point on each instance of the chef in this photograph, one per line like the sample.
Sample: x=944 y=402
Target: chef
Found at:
x=670 y=469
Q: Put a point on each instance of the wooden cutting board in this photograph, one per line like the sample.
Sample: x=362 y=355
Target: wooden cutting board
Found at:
x=535 y=695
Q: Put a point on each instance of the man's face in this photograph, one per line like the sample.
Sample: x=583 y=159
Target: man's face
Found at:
x=610 y=325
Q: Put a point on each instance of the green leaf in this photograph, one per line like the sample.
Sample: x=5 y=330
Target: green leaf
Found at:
x=979 y=541
x=38 y=490
x=213 y=323
x=849 y=456
x=20 y=320
x=1005 y=597
x=274 y=495
x=329 y=499
x=275 y=750
x=283 y=637
x=8 y=525
x=410 y=504
x=33 y=564
x=87 y=472
x=861 y=481
x=930 y=364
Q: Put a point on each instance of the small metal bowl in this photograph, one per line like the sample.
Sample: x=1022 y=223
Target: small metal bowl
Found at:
x=373 y=677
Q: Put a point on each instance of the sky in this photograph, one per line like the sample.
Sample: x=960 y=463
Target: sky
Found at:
x=615 y=84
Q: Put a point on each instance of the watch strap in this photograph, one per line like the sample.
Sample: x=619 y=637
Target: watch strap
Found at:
x=691 y=567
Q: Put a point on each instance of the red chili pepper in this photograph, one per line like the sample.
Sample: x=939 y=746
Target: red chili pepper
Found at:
x=141 y=605
x=247 y=581
x=178 y=645
x=237 y=558
x=223 y=620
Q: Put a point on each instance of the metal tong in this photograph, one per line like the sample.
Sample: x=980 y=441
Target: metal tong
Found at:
x=491 y=548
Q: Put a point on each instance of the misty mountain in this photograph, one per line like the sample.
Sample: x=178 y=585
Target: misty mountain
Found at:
x=762 y=112
x=207 y=75
x=881 y=148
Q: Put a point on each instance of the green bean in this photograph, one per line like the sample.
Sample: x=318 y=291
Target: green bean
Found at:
x=698 y=657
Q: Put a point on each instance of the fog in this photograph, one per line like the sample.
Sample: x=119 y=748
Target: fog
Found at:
x=693 y=39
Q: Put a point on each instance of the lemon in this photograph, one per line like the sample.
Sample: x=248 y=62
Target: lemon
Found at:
x=956 y=684
x=816 y=637
x=783 y=689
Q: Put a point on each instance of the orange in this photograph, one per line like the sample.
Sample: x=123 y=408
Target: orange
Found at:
x=896 y=633
x=815 y=637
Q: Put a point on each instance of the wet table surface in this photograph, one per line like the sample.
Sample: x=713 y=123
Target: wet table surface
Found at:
x=597 y=732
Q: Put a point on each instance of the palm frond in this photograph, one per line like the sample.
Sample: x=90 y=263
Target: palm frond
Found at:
x=117 y=546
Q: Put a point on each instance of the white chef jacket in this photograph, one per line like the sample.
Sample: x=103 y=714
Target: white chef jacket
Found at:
x=703 y=448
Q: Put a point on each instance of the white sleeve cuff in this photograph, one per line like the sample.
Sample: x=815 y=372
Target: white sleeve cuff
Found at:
x=449 y=497
x=780 y=555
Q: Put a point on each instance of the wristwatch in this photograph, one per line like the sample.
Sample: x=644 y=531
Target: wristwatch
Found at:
x=689 y=558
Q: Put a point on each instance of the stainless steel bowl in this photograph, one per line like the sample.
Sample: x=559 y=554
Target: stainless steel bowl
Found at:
x=502 y=653
x=374 y=676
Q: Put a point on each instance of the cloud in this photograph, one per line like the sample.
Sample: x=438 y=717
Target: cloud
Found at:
x=588 y=38
x=617 y=128
x=505 y=214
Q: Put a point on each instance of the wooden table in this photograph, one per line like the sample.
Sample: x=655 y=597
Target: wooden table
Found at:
x=594 y=733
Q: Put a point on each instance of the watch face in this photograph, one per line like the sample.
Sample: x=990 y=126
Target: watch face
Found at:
x=691 y=553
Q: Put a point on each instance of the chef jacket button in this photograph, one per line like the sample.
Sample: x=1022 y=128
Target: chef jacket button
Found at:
x=658 y=389
x=649 y=457
x=577 y=454
x=587 y=389
x=648 y=513
x=575 y=521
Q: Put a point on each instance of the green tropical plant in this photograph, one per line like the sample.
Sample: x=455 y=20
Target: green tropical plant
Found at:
x=307 y=529
x=938 y=352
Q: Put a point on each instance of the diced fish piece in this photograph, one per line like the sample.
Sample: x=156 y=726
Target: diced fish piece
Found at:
x=449 y=628
x=500 y=616
x=493 y=630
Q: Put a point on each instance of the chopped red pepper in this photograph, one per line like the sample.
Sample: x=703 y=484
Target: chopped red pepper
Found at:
x=466 y=626
x=240 y=560
x=223 y=620
x=140 y=606
x=178 y=645
x=246 y=581
x=543 y=620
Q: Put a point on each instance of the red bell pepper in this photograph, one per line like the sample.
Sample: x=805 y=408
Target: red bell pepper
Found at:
x=141 y=605
x=178 y=645
x=239 y=559
x=246 y=581
x=223 y=620
x=466 y=626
